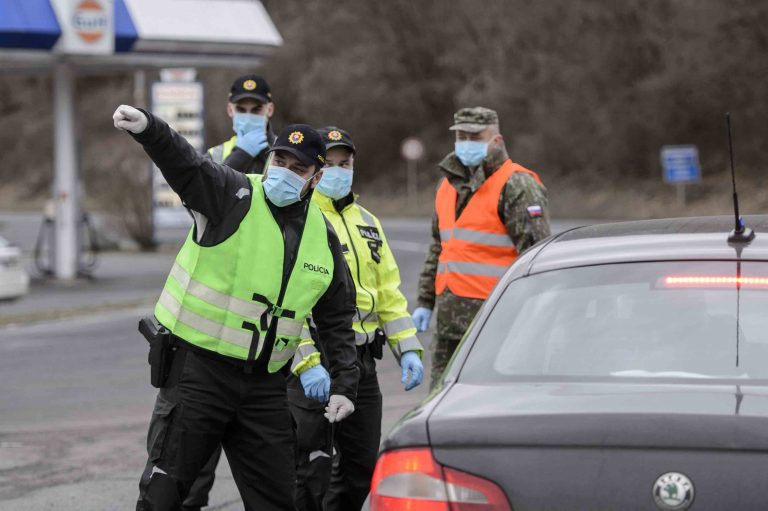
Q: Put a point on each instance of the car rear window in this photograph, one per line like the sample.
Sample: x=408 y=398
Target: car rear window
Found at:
x=667 y=320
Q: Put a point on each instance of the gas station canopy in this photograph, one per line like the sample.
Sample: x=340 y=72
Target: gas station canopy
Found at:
x=156 y=33
x=71 y=37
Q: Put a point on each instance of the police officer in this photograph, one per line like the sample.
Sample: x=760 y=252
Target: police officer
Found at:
x=250 y=107
x=258 y=261
x=382 y=316
x=488 y=209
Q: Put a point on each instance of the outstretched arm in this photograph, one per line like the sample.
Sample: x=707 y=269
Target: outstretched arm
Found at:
x=204 y=186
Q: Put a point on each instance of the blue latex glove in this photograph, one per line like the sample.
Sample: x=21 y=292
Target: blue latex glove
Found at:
x=316 y=382
x=421 y=317
x=252 y=142
x=410 y=361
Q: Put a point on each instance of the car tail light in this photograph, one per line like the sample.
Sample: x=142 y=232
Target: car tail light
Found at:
x=411 y=479
x=714 y=281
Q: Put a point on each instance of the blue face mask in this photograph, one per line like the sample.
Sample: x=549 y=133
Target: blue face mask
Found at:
x=471 y=153
x=283 y=186
x=336 y=182
x=245 y=123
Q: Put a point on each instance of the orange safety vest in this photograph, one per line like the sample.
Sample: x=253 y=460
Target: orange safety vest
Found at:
x=476 y=247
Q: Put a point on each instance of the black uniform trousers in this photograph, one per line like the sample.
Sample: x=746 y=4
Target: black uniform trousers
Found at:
x=207 y=403
x=339 y=483
x=198 y=494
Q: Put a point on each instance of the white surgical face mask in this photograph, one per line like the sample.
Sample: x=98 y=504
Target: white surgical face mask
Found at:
x=336 y=182
x=470 y=152
x=243 y=123
x=282 y=186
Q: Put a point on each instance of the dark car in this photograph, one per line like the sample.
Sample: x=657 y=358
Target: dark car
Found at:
x=615 y=367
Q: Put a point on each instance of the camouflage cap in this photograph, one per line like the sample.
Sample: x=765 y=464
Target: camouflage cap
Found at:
x=474 y=120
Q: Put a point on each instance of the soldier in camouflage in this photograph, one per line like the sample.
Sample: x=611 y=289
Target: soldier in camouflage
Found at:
x=522 y=208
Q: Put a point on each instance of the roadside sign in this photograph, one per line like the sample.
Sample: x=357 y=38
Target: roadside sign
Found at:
x=680 y=164
x=178 y=74
x=412 y=149
x=180 y=104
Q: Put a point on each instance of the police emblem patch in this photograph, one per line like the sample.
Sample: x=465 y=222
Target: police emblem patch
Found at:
x=334 y=135
x=249 y=84
x=296 y=137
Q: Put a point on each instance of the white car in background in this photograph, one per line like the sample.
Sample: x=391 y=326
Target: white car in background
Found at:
x=14 y=280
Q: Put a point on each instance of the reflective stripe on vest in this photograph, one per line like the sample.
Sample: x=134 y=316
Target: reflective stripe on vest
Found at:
x=483 y=270
x=476 y=248
x=222 y=151
x=285 y=327
x=223 y=298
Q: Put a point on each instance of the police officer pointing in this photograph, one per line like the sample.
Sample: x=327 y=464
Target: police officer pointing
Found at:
x=250 y=107
x=259 y=260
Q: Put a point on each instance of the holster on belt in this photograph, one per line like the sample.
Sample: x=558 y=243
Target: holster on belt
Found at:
x=377 y=345
x=161 y=349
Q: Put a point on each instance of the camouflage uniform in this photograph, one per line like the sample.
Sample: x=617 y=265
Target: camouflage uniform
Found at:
x=455 y=313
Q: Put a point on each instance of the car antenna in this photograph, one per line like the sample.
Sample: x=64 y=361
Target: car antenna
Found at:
x=741 y=233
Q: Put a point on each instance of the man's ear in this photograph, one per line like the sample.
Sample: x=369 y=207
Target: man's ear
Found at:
x=316 y=179
x=270 y=109
x=230 y=110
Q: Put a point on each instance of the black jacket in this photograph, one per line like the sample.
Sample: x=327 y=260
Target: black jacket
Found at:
x=219 y=198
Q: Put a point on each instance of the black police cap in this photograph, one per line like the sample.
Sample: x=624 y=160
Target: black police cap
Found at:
x=335 y=137
x=250 y=86
x=302 y=141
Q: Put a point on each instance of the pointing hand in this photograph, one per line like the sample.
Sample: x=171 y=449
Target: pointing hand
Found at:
x=127 y=118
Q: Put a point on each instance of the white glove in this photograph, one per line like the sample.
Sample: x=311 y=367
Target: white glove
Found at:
x=339 y=408
x=130 y=119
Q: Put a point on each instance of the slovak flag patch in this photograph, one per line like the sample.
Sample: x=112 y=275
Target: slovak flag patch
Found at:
x=535 y=211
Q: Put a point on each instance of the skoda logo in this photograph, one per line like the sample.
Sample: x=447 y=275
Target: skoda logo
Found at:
x=673 y=490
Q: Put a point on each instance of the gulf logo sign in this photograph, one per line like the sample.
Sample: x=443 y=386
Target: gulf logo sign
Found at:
x=90 y=21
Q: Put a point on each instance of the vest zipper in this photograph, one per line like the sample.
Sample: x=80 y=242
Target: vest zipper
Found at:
x=359 y=282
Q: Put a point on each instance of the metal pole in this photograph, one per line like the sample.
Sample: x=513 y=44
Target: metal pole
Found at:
x=65 y=194
x=140 y=101
x=411 y=184
x=140 y=88
x=681 y=199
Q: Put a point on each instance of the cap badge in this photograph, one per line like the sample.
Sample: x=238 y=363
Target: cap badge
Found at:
x=249 y=84
x=320 y=157
x=296 y=137
x=334 y=135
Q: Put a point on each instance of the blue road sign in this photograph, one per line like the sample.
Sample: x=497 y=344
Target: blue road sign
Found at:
x=680 y=164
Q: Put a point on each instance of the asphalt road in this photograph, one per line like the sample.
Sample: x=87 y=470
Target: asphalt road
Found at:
x=76 y=398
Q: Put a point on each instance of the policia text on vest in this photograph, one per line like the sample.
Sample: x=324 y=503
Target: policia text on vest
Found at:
x=234 y=303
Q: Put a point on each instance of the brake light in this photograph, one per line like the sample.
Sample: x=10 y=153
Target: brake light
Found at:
x=411 y=479
x=716 y=281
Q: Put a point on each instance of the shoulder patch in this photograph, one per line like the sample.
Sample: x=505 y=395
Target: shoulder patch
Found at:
x=535 y=211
